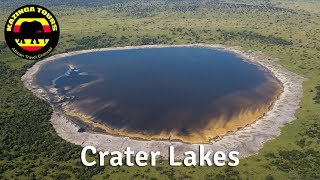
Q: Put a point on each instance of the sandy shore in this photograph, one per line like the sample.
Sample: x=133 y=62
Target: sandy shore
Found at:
x=247 y=141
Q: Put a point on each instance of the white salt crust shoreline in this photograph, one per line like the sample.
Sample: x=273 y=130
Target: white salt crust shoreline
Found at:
x=247 y=141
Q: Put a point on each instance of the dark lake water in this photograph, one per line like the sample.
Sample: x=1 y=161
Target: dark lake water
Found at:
x=180 y=89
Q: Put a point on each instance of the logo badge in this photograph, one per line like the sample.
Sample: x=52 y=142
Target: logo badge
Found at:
x=32 y=32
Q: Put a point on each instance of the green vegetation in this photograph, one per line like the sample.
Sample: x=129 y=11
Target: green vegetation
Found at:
x=288 y=30
x=317 y=98
x=253 y=36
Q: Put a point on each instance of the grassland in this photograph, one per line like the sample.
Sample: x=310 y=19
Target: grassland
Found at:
x=288 y=30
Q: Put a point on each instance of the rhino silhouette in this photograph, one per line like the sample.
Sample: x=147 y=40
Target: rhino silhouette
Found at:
x=30 y=30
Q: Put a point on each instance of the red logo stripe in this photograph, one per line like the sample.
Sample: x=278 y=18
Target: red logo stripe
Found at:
x=46 y=29
x=31 y=48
